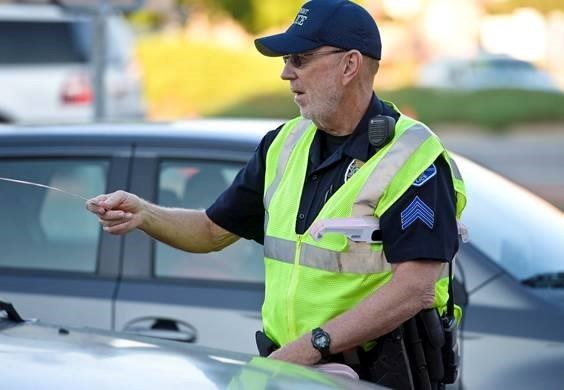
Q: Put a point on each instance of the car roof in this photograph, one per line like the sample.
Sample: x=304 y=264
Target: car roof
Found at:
x=66 y=357
x=239 y=130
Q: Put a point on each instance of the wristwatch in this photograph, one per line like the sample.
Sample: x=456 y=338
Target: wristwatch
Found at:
x=321 y=341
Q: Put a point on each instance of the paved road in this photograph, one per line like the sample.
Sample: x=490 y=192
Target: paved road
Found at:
x=534 y=160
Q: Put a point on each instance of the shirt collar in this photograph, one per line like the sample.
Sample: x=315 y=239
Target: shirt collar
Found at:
x=357 y=145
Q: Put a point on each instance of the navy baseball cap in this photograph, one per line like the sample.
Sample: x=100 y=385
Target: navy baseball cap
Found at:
x=338 y=23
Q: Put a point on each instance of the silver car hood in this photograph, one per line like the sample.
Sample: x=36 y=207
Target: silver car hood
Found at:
x=40 y=356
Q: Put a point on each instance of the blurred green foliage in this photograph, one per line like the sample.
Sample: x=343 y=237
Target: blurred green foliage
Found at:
x=505 y=6
x=254 y=15
x=494 y=110
x=145 y=19
x=257 y=16
x=184 y=78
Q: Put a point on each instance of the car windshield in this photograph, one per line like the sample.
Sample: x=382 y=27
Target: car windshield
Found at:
x=517 y=230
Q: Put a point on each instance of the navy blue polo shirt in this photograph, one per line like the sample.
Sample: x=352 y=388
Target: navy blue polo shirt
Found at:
x=421 y=224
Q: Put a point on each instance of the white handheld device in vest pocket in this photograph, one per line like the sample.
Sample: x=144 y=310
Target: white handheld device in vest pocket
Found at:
x=359 y=229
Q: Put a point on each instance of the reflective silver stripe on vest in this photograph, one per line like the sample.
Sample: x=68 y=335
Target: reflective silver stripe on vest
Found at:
x=289 y=144
x=279 y=249
x=455 y=169
x=387 y=168
x=358 y=259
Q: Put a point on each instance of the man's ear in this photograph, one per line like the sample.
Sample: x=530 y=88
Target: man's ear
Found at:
x=352 y=66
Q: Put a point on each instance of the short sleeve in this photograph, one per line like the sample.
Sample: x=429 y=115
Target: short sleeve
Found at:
x=421 y=224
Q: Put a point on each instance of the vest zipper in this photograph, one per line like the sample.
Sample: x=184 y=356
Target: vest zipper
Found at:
x=291 y=296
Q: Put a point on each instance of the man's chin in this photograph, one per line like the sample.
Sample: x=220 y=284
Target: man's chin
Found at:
x=305 y=113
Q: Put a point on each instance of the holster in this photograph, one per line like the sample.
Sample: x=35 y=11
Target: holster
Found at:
x=265 y=345
x=387 y=364
x=433 y=337
x=416 y=352
x=451 y=356
x=440 y=343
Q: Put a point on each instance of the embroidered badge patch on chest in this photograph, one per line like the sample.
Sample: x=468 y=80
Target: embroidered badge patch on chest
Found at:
x=353 y=168
x=417 y=210
x=425 y=176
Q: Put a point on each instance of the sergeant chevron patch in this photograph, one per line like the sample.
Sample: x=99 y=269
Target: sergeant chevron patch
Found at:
x=417 y=209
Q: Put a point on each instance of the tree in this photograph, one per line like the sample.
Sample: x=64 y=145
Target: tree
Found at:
x=505 y=6
x=254 y=15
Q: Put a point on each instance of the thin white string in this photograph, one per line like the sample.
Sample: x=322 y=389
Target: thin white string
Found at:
x=43 y=186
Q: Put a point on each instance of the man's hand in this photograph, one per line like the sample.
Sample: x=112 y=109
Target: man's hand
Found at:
x=118 y=212
x=300 y=351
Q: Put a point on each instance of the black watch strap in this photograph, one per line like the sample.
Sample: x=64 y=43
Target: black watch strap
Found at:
x=321 y=341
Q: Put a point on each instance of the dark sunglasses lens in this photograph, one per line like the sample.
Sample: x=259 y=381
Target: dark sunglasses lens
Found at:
x=294 y=59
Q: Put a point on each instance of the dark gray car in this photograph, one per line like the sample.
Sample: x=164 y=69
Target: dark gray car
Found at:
x=57 y=265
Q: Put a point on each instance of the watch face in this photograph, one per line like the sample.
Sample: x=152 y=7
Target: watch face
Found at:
x=321 y=340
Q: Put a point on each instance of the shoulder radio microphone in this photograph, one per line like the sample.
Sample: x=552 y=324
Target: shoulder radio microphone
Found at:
x=381 y=130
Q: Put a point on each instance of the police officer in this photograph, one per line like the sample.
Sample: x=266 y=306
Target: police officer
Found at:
x=349 y=155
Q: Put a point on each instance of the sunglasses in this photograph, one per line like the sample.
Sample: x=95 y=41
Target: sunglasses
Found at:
x=298 y=60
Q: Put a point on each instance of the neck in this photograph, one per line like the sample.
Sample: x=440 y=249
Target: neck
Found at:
x=343 y=120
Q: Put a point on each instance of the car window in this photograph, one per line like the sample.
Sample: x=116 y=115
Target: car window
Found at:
x=196 y=185
x=61 y=42
x=43 y=42
x=46 y=229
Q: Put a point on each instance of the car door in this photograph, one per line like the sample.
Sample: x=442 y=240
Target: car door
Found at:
x=210 y=299
x=54 y=262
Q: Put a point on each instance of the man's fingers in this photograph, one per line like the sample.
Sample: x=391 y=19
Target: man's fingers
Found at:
x=93 y=205
x=119 y=228
x=113 y=200
x=118 y=222
x=102 y=204
x=115 y=215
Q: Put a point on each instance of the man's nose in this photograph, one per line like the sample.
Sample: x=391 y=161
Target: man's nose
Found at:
x=288 y=72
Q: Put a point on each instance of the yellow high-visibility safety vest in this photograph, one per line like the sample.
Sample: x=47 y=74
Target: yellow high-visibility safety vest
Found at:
x=309 y=282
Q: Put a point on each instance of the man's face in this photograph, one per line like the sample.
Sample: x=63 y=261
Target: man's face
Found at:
x=314 y=80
